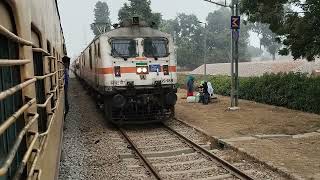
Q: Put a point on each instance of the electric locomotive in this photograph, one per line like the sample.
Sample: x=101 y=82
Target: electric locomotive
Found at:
x=132 y=70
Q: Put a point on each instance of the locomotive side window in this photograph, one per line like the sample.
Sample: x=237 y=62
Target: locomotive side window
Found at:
x=124 y=48
x=155 y=47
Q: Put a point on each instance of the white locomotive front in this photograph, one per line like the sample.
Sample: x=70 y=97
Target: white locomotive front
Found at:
x=132 y=69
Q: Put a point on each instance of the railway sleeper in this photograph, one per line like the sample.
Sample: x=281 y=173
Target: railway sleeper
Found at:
x=186 y=166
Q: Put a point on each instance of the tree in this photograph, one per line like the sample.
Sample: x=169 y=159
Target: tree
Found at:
x=219 y=35
x=298 y=31
x=267 y=38
x=139 y=8
x=102 y=21
x=254 y=51
x=190 y=35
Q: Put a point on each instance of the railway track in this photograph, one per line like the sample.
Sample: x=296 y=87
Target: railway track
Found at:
x=164 y=153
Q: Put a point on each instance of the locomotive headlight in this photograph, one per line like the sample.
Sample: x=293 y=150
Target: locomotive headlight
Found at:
x=139 y=70
x=144 y=70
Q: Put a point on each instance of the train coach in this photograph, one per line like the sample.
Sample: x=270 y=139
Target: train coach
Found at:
x=31 y=89
x=132 y=70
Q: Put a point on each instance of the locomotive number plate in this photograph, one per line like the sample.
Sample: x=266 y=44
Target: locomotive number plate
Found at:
x=155 y=68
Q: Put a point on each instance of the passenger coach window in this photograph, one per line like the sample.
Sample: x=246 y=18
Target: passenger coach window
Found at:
x=155 y=47
x=90 y=58
x=99 y=52
x=124 y=48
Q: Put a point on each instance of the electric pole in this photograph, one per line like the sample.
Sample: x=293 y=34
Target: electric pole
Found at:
x=235 y=35
x=205 y=51
x=205 y=36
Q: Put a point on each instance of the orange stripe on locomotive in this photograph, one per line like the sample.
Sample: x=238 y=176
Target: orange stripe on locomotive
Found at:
x=127 y=70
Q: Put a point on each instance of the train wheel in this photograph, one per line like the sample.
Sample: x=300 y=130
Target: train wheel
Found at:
x=108 y=109
x=173 y=111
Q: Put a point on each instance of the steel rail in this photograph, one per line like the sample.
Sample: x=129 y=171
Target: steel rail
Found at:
x=147 y=163
x=226 y=165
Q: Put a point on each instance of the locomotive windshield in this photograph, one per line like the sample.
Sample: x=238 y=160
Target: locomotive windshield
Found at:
x=124 y=48
x=156 y=47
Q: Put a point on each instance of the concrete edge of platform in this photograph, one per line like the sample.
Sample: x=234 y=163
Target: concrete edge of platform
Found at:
x=225 y=144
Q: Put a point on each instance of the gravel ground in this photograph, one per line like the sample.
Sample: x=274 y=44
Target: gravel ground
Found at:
x=198 y=175
x=88 y=149
x=185 y=167
x=188 y=132
x=181 y=158
x=150 y=142
x=163 y=148
x=254 y=169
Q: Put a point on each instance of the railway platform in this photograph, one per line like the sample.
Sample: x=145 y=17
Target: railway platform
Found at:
x=285 y=139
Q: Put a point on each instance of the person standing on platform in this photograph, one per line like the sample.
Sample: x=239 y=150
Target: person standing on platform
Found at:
x=66 y=63
x=190 y=85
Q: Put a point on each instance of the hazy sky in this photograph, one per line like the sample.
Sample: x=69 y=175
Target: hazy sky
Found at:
x=77 y=15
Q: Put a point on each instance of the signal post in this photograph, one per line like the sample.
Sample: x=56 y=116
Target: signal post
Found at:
x=235 y=35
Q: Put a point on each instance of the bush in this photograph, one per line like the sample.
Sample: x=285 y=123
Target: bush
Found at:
x=293 y=90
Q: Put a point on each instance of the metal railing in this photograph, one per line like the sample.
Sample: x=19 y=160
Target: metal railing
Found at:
x=12 y=119
x=8 y=161
x=40 y=50
x=26 y=156
x=14 y=37
x=51 y=57
x=46 y=102
x=19 y=62
x=4 y=168
x=13 y=90
x=38 y=141
x=45 y=76
x=54 y=89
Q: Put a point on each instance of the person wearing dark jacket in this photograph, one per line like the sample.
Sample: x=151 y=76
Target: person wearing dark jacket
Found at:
x=66 y=63
x=205 y=96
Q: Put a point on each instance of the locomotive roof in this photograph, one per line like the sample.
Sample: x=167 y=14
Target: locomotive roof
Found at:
x=130 y=32
x=136 y=31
